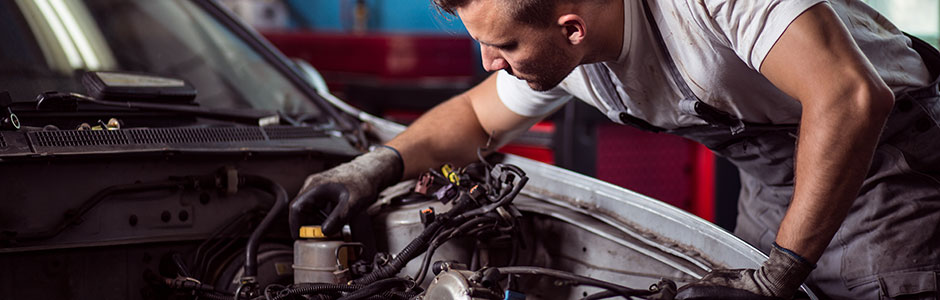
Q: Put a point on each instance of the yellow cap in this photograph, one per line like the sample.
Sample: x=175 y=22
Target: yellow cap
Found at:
x=314 y=232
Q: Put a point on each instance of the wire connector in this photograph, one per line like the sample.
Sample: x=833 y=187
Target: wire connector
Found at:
x=427 y=216
x=246 y=288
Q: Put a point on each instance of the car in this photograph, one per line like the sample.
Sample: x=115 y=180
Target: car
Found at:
x=149 y=150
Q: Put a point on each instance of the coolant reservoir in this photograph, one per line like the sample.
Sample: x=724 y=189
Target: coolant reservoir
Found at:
x=317 y=259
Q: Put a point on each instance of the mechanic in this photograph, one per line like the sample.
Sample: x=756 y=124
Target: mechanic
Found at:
x=854 y=209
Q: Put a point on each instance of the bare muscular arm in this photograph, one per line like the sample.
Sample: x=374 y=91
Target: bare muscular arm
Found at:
x=845 y=105
x=452 y=131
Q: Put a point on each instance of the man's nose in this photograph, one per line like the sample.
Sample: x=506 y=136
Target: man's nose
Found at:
x=492 y=61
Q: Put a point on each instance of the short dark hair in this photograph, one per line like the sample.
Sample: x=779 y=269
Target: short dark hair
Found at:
x=532 y=12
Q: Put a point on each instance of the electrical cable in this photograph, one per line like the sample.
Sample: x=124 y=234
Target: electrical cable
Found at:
x=443 y=238
x=600 y=295
x=315 y=288
x=215 y=296
x=470 y=225
x=581 y=280
x=425 y=263
x=395 y=265
x=503 y=200
x=377 y=287
x=486 y=166
x=419 y=244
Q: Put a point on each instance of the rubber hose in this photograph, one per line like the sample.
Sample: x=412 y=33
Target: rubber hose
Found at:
x=215 y=296
x=400 y=295
x=388 y=295
x=418 y=245
x=443 y=238
x=280 y=202
x=619 y=289
x=600 y=295
x=315 y=288
x=377 y=288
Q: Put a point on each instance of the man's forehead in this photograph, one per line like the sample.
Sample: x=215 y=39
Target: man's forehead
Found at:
x=483 y=10
x=487 y=21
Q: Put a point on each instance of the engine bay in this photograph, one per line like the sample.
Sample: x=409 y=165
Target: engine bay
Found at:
x=222 y=233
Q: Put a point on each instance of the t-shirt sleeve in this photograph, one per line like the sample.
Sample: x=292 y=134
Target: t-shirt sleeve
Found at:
x=752 y=27
x=519 y=98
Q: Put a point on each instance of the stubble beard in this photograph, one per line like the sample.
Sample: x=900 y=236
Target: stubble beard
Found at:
x=551 y=71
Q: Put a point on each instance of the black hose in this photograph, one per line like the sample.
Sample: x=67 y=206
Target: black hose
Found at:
x=467 y=226
x=399 y=295
x=581 y=280
x=215 y=296
x=443 y=238
x=315 y=288
x=600 y=295
x=392 y=295
x=251 y=251
x=503 y=200
x=423 y=270
x=419 y=244
x=413 y=249
x=377 y=287
x=512 y=195
x=425 y=264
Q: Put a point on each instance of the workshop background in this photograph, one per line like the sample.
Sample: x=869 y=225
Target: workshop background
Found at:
x=399 y=58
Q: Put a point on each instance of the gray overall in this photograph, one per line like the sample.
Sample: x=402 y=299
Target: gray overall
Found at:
x=888 y=247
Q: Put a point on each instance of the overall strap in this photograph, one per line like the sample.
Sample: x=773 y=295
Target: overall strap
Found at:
x=616 y=111
x=690 y=103
x=614 y=104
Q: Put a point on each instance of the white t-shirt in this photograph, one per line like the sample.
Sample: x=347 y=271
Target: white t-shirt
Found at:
x=718 y=46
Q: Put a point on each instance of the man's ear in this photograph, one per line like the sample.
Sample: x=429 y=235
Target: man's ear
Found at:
x=573 y=27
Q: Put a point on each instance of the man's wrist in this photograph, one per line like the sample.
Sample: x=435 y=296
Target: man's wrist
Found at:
x=398 y=166
x=394 y=150
x=794 y=255
x=783 y=272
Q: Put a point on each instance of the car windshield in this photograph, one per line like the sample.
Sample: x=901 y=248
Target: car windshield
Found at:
x=47 y=45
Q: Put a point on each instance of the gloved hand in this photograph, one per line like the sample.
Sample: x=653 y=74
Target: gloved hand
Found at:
x=344 y=190
x=778 y=278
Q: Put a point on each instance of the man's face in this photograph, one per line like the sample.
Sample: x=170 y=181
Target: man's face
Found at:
x=540 y=56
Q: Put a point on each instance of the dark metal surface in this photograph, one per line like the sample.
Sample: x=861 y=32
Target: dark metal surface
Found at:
x=200 y=139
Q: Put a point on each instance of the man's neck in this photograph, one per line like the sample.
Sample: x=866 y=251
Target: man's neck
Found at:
x=608 y=27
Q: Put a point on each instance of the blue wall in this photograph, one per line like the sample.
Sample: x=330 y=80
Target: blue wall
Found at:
x=390 y=16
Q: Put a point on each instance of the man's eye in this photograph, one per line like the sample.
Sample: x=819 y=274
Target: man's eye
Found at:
x=507 y=47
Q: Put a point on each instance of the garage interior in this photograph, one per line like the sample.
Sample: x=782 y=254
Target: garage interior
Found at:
x=182 y=184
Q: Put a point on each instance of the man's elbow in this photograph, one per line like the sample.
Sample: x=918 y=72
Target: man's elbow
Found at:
x=874 y=101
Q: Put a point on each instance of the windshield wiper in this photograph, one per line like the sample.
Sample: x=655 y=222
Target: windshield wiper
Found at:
x=59 y=101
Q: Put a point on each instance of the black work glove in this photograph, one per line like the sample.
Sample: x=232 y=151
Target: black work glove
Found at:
x=778 y=278
x=345 y=190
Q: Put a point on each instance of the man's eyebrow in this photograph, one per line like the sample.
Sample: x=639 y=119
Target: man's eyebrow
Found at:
x=497 y=45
